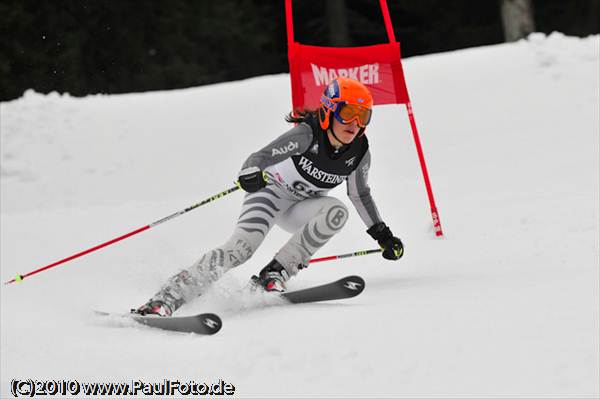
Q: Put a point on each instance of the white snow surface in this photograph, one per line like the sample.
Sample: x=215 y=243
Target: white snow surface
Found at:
x=505 y=305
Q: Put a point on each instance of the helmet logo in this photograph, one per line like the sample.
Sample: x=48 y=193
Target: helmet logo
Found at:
x=360 y=100
x=331 y=90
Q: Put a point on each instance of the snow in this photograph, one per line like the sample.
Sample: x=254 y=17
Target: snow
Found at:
x=506 y=305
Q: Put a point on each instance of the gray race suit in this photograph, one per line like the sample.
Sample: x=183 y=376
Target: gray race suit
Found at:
x=302 y=168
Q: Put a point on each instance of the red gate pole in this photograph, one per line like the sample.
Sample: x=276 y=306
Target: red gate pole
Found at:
x=413 y=124
x=437 y=226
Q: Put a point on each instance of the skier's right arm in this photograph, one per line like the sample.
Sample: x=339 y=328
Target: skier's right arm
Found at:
x=294 y=142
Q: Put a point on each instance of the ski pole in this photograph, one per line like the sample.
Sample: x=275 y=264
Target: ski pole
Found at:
x=20 y=277
x=350 y=255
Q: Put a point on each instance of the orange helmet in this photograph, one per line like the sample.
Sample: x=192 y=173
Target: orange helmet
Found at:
x=348 y=100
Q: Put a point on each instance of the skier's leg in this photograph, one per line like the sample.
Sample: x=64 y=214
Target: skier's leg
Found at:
x=314 y=221
x=193 y=281
x=257 y=216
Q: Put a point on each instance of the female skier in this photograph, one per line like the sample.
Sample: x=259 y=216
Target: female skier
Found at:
x=287 y=183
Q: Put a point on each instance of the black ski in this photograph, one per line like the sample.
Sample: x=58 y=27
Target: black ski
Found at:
x=204 y=323
x=210 y=323
x=346 y=287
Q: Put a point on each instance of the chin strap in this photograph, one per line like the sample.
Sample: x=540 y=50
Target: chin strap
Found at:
x=336 y=137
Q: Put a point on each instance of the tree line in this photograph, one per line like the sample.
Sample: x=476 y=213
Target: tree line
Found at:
x=116 y=46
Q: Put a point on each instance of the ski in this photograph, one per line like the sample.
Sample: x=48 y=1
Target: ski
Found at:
x=210 y=323
x=346 y=287
x=204 y=323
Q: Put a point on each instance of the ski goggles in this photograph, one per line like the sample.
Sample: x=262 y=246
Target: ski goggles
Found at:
x=346 y=113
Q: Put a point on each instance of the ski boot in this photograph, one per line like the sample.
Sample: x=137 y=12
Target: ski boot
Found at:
x=272 y=277
x=153 y=308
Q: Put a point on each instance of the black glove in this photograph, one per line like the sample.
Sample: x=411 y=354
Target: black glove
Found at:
x=392 y=246
x=252 y=179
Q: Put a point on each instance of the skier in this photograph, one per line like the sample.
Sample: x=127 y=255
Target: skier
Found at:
x=287 y=183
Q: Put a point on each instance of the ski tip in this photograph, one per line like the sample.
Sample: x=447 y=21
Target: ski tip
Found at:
x=212 y=322
x=353 y=285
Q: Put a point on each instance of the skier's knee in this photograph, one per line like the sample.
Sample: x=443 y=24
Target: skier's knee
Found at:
x=336 y=215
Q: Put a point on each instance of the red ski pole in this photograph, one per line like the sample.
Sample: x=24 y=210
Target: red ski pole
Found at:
x=20 y=277
x=350 y=255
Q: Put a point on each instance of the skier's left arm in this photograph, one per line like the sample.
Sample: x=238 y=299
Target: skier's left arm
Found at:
x=360 y=195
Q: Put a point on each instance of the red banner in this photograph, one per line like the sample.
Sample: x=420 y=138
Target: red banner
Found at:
x=378 y=67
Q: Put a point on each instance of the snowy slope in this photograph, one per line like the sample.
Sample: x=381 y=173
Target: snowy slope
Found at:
x=507 y=304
